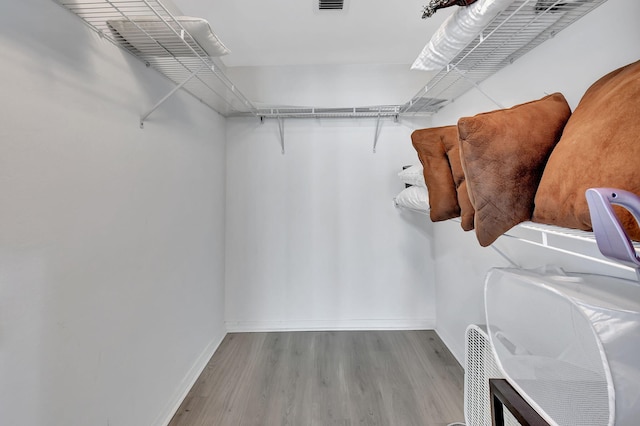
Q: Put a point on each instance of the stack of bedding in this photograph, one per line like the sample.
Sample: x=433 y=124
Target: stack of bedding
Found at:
x=535 y=161
x=415 y=195
x=160 y=30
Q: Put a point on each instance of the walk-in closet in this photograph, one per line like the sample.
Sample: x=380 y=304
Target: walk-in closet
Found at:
x=319 y=212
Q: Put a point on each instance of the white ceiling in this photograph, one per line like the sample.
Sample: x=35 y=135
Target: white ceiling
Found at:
x=294 y=32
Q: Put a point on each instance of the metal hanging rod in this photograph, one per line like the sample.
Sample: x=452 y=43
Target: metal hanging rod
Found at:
x=281 y=115
x=316 y=112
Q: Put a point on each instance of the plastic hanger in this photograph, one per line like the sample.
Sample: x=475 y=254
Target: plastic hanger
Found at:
x=612 y=239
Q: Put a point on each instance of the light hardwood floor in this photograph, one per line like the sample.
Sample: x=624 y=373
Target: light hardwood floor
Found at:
x=345 y=378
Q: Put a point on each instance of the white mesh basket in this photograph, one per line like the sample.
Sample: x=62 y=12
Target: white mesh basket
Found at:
x=480 y=366
x=568 y=343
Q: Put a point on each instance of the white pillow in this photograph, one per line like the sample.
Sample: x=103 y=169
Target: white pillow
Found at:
x=413 y=176
x=198 y=28
x=456 y=32
x=414 y=198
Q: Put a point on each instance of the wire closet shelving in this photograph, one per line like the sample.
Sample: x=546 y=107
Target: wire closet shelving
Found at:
x=166 y=47
x=522 y=26
x=518 y=29
x=573 y=242
x=173 y=51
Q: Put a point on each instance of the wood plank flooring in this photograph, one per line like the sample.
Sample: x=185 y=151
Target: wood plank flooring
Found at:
x=345 y=378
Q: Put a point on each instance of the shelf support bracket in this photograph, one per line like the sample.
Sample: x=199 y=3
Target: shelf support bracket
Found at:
x=281 y=129
x=504 y=256
x=377 y=134
x=168 y=95
x=476 y=85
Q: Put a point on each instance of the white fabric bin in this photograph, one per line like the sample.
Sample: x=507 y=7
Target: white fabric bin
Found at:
x=569 y=343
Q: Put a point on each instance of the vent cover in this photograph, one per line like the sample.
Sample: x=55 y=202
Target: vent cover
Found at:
x=330 y=4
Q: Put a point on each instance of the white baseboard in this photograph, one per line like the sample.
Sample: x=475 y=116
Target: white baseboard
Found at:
x=187 y=383
x=456 y=346
x=330 y=325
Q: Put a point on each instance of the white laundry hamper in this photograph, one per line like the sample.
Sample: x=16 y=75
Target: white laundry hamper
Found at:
x=569 y=343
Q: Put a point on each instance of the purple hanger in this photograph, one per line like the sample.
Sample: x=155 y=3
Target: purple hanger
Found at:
x=612 y=240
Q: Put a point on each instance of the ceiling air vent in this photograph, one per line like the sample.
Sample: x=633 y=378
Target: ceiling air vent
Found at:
x=330 y=4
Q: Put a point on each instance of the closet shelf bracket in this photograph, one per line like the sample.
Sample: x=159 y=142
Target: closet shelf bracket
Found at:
x=281 y=130
x=168 y=95
x=505 y=257
x=475 y=84
x=378 y=129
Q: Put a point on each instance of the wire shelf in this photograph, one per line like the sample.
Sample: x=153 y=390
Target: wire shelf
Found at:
x=576 y=234
x=574 y=242
x=174 y=52
x=570 y=241
x=521 y=27
x=166 y=47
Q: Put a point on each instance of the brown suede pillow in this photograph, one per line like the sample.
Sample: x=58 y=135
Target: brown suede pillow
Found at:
x=437 y=171
x=600 y=147
x=452 y=148
x=503 y=155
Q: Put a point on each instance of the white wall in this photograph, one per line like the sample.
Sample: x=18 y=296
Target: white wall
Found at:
x=327 y=86
x=600 y=42
x=111 y=237
x=313 y=238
